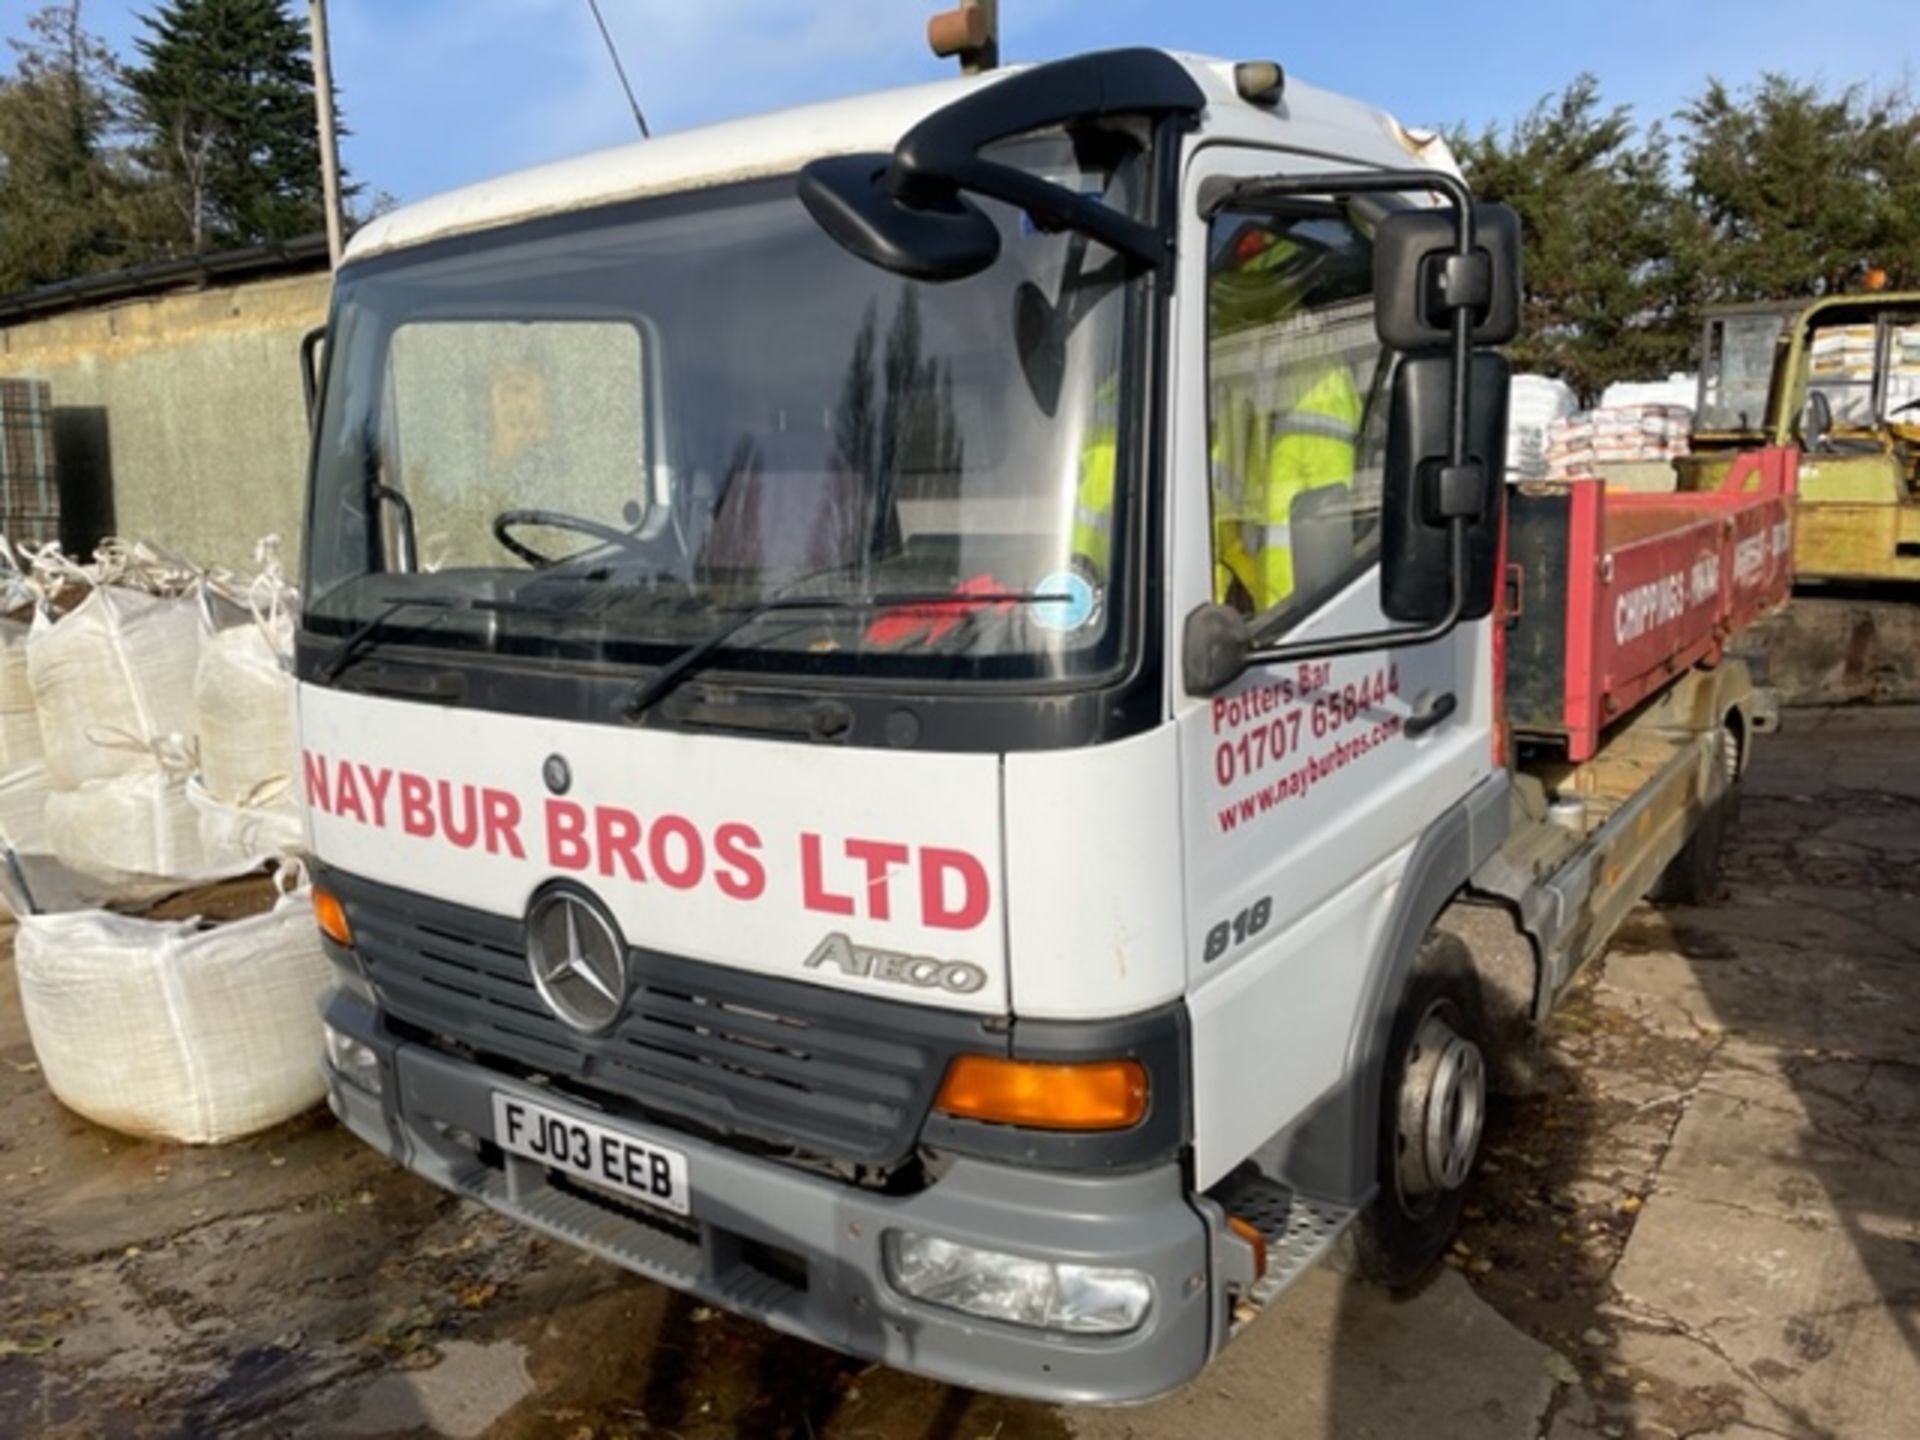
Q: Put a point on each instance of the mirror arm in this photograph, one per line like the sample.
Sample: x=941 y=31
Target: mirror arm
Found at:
x=1392 y=639
x=1054 y=207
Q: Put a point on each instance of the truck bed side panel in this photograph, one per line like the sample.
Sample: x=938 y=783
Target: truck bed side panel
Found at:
x=1621 y=592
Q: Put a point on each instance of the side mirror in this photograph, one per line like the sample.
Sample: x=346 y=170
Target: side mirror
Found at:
x=1214 y=649
x=908 y=211
x=1816 y=420
x=1420 y=279
x=945 y=237
x=1423 y=494
x=310 y=357
x=1445 y=281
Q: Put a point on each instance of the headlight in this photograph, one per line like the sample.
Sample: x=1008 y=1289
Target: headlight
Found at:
x=1043 y=1294
x=353 y=1061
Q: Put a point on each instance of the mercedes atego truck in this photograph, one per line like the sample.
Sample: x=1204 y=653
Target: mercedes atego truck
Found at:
x=929 y=717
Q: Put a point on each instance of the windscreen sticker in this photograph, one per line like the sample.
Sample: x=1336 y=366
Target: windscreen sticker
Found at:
x=1078 y=604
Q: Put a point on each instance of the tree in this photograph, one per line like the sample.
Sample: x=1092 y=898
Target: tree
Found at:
x=1802 y=190
x=224 y=94
x=1611 y=262
x=66 y=188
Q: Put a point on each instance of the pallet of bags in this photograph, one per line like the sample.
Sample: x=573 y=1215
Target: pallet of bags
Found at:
x=190 y=1029
x=1617 y=435
x=112 y=675
x=243 y=794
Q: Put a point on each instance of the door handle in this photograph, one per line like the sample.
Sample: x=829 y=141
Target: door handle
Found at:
x=1433 y=713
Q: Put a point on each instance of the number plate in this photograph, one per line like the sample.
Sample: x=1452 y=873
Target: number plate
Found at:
x=613 y=1158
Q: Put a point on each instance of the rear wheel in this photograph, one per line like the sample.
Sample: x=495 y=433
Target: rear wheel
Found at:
x=1693 y=876
x=1433 y=1104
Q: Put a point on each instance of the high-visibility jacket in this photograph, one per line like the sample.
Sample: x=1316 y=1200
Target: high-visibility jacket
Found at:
x=1274 y=440
x=1260 y=465
x=1093 y=495
x=1308 y=444
x=1306 y=439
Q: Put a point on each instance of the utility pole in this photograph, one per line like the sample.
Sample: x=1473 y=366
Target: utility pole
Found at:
x=329 y=139
x=970 y=32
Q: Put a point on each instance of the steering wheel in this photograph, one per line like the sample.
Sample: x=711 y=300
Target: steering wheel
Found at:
x=507 y=520
x=1902 y=409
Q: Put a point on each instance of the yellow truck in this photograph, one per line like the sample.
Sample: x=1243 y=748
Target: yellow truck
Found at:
x=1839 y=380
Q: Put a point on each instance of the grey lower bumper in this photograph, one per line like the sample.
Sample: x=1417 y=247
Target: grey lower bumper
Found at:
x=803 y=1254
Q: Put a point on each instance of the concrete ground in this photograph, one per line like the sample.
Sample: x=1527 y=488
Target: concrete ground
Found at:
x=1705 y=1221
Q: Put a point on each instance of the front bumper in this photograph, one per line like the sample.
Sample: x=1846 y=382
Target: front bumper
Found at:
x=802 y=1254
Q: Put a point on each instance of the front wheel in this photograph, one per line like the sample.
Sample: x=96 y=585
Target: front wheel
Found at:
x=1433 y=1105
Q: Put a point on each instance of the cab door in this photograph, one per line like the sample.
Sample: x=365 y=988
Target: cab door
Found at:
x=1303 y=786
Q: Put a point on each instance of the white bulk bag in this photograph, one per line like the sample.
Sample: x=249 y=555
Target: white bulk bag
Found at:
x=112 y=677
x=31 y=879
x=239 y=837
x=177 y=1030
x=132 y=828
x=243 y=708
x=20 y=744
x=23 y=809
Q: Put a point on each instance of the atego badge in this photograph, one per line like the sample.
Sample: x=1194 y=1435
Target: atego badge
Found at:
x=959 y=977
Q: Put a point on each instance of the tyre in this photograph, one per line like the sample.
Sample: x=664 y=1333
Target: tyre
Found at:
x=1433 y=1100
x=1693 y=876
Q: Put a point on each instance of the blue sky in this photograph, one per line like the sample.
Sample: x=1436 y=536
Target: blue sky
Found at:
x=440 y=92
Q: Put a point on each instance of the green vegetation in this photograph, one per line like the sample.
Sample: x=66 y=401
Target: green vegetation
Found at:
x=224 y=106
x=208 y=141
x=1781 y=191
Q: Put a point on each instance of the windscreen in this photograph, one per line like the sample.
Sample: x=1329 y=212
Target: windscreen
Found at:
x=607 y=435
x=1737 y=369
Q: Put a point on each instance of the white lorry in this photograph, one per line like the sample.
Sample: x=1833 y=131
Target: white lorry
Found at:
x=806 y=806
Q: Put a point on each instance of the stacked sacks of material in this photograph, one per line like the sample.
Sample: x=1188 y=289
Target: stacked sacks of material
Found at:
x=1534 y=403
x=1840 y=365
x=31 y=876
x=244 y=795
x=112 y=681
x=1615 y=435
x=1679 y=388
x=1903 y=374
x=165 y=718
x=23 y=771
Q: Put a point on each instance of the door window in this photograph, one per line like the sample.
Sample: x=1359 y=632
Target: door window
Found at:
x=1295 y=434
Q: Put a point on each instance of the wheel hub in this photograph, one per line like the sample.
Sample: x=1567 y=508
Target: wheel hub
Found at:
x=1443 y=1101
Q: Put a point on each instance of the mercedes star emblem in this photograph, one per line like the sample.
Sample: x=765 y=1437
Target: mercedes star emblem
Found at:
x=578 y=959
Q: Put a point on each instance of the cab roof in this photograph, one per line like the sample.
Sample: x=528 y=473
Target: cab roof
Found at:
x=1306 y=118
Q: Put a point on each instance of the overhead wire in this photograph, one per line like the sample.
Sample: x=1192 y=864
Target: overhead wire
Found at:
x=613 y=53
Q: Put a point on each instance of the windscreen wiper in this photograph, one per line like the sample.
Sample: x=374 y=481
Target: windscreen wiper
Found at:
x=668 y=677
x=368 y=631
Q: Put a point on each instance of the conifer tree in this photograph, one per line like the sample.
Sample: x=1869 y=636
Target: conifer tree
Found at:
x=224 y=95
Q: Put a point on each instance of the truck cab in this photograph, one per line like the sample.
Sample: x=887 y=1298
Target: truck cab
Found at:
x=827 y=792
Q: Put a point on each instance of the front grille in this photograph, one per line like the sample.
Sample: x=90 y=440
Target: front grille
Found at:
x=834 y=1076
